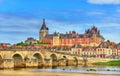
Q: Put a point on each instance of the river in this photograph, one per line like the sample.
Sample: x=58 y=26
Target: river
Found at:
x=73 y=69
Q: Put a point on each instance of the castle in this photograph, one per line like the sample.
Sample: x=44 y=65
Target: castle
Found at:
x=91 y=37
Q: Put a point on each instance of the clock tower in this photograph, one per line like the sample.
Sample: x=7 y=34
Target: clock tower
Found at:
x=43 y=30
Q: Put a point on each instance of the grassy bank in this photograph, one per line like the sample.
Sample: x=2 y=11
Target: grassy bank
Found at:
x=110 y=63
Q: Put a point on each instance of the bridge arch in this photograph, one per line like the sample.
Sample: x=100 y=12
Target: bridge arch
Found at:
x=18 y=60
x=1 y=61
x=40 y=58
x=17 y=57
x=17 y=54
x=1 y=57
x=54 y=59
x=53 y=56
x=38 y=55
x=75 y=60
x=65 y=57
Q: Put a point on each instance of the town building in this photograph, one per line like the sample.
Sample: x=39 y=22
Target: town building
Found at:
x=103 y=52
x=118 y=48
x=106 y=49
x=89 y=52
x=91 y=37
x=30 y=40
x=3 y=45
x=76 y=49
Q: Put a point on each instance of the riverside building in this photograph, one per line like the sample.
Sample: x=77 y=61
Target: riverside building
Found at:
x=90 y=37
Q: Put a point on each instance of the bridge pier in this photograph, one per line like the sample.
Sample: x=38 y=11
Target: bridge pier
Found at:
x=40 y=64
x=80 y=62
x=21 y=64
x=6 y=64
x=1 y=64
x=62 y=62
x=47 y=62
x=38 y=59
x=55 y=63
x=72 y=62
x=31 y=62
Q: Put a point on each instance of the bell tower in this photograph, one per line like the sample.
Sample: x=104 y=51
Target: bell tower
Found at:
x=43 y=30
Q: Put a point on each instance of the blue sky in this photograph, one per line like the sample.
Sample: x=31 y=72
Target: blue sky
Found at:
x=20 y=19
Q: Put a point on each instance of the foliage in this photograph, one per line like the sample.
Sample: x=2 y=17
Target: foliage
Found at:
x=23 y=44
x=110 y=63
x=108 y=41
x=20 y=43
x=38 y=42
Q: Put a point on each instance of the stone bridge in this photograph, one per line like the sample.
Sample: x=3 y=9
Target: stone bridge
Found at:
x=12 y=59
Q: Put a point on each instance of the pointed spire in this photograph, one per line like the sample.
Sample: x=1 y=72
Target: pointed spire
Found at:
x=44 y=26
x=44 y=22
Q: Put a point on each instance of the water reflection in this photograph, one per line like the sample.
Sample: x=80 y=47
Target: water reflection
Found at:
x=74 y=69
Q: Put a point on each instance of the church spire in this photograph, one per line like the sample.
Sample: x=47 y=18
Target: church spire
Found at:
x=44 y=22
x=44 y=25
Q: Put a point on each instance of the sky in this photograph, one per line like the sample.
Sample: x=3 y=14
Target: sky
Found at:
x=20 y=19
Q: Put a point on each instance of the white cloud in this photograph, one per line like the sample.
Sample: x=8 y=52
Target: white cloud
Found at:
x=17 y=21
x=15 y=29
x=104 y=1
x=96 y=13
x=63 y=27
x=108 y=25
x=114 y=37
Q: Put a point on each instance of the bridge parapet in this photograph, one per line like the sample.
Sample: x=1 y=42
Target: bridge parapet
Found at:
x=44 y=58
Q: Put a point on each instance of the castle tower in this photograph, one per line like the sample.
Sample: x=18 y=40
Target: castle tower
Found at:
x=56 y=41
x=43 y=30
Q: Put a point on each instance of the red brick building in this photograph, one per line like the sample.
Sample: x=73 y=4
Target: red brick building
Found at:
x=3 y=45
x=91 y=37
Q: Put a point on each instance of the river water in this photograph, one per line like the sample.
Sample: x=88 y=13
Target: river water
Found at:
x=78 y=69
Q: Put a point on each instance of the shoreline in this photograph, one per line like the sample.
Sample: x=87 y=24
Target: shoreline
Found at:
x=23 y=73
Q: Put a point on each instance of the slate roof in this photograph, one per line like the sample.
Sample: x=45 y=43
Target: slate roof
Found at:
x=73 y=34
x=49 y=36
x=44 y=26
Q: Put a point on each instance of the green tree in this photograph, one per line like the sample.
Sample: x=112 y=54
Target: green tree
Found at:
x=108 y=41
x=38 y=42
x=21 y=44
x=30 y=43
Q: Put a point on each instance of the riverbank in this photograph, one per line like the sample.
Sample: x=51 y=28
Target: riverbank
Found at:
x=110 y=63
x=17 y=73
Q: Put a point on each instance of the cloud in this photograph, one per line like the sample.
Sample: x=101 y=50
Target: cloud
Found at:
x=104 y=1
x=15 y=29
x=114 y=37
x=108 y=25
x=96 y=13
x=102 y=16
x=63 y=27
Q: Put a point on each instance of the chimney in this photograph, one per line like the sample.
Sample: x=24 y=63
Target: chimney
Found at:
x=69 y=32
x=66 y=33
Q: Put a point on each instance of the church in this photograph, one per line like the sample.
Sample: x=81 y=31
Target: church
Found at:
x=90 y=37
